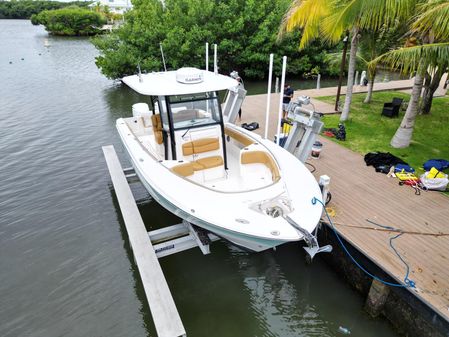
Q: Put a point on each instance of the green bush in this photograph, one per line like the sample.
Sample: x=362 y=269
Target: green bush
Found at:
x=70 y=21
x=24 y=9
x=245 y=31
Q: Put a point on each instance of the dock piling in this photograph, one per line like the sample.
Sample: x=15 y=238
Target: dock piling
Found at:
x=377 y=297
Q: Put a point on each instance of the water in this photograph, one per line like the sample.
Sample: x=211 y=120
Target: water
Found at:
x=255 y=87
x=64 y=258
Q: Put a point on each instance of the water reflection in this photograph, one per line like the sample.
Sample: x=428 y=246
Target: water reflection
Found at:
x=119 y=99
x=280 y=305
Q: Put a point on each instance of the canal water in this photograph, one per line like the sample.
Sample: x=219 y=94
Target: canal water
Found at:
x=65 y=264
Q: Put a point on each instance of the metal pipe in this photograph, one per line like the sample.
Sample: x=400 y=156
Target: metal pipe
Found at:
x=342 y=68
x=318 y=82
x=267 y=113
x=215 y=59
x=281 y=97
x=207 y=56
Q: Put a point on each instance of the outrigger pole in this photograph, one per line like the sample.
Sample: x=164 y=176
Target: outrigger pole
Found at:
x=162 y=53
x=215 y=59
x=207 y=56
x=281 y=97
x=267 y=113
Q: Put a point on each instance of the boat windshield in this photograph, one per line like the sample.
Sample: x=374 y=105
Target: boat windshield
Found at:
x=194 y=110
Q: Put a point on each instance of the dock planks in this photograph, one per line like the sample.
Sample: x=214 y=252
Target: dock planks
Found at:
x=359 y=193
x=163 y=309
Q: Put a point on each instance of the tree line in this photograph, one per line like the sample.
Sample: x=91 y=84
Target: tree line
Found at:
x=245 y=31
x=24 y=9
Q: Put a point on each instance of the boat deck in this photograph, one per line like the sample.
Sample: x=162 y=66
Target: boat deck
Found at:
x=255 y=175
x=359 y=193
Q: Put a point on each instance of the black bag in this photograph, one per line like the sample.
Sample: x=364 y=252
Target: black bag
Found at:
x=341 y=132
x=250 y=126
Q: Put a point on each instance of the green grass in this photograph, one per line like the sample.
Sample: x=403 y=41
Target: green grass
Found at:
x=367 y=131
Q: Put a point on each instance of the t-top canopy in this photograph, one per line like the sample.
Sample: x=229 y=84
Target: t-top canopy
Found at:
x=169 y=84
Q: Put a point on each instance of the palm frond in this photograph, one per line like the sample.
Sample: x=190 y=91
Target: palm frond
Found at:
x=434 y=18
x=334 y=59
x=378 y=13
x=307 y=15
x=345 y=15
x=365 y=14
x=410 y=59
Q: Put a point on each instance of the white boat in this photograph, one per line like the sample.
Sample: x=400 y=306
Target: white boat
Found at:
x=212 y=173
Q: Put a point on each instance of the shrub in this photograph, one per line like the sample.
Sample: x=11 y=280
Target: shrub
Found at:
x=70 y=21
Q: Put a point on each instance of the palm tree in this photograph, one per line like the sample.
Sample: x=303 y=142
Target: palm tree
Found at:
x=331 y=18
x=431 y=84
x=374 y=43
x=429 y=25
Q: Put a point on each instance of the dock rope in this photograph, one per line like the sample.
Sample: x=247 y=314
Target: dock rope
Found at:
x=408 y=283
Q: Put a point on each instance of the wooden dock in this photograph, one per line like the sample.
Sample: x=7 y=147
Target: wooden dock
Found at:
x=360 y=194
x=163 y=309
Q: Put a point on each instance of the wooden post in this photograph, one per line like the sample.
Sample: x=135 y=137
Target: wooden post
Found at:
x=377 y=296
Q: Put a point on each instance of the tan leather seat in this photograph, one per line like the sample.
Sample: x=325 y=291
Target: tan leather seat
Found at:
x=200 y=145
x=210 y=162
x=239 y=137
x=261 y=157
x=189 y=168
x=157 y=128
x=185 y=170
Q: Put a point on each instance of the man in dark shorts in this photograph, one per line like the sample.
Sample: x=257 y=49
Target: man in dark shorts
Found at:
x=288 y=95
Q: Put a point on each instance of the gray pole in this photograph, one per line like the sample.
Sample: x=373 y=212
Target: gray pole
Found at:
x=342 y=68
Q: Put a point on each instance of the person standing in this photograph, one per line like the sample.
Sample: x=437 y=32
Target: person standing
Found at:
x=288 y=95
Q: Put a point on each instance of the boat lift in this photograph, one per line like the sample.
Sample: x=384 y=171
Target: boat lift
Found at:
x=306 y=126
x=175 y=238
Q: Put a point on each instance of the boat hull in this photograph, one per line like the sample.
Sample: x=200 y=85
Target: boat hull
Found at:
x=247 y=242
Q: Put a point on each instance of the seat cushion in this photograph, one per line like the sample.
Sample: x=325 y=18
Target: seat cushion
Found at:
x=261 y=157
x=239 y=137
x=200 y=145
x=156 y=121
x=185 y=170
x=210 y=162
